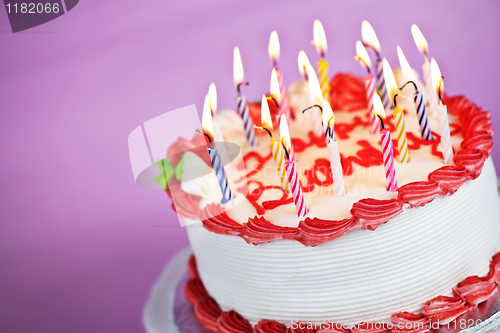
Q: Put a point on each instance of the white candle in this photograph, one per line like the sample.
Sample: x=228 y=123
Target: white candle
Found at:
x=333 y=150
x=317 y=99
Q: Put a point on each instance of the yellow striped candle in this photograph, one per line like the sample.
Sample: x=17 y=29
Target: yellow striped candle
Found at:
x=321 y=47
x=404 y=156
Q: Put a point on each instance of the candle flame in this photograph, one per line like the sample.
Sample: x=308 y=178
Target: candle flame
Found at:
x=405 y=66
x=274 y=46
x=436 y=76
x=284 y=133
x=275 y=86
x=328 y=115
x=265 y=114
x=390 y=80
x=368 y=35
x=319 y=37
x=212 y=97
x=363 y=55
x=206 y=119
x=419 y=39
x=303 y=63
x=238 y=74
x=378 y=107
x=314 y=87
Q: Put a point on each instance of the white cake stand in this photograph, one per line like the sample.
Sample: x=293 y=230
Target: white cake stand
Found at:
x=160 y=315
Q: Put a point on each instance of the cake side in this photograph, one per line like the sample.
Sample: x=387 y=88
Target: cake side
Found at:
x=362 y=276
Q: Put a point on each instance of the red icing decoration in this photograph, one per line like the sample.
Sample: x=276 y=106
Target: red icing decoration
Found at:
x=207 y=311
x=418 y=194
x=472 y=160
x=192 y=268
x=372 y=212
x=444 y=309
x=366 y=157
x=301 y=328
x=475 y=289
x=450 y=178
x=259 y=230
x=316 y=231
x=216 y=220
x=406 y=322
x=233 y=322
x=186 y=204
x=194 y=290
x=347 y=92
x=256 y=193
x=321 y=165
x=269 y=326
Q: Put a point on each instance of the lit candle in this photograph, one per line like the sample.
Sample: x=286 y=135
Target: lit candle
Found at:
x=392 y=88
x=333 y=150
x=390 y=172
x=238 y=76
x=417 y=98
x=285 y=138
x=303 y=64
x=316 y=99
x=444 y=128
x=371 y=41
x=423 y=47
x=321 y=47
x=276 y=148
x=364 y=59
x=207 y=127
x=274 y=53
x=217 y=132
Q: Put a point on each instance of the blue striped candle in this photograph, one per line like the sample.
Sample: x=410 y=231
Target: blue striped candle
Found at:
x=247 y=121
x=384 y=95
x=422 y=116
x=221 y=175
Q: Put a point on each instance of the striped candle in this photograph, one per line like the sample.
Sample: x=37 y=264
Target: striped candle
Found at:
x=425 y=130
x=284 y=106
x=323 y=78
x=338 y=177
x=444 y=129
x=247 y=121
x=279 y=158
x=382 y=90
x=429 y=90
x=298 y=197
x=285 y=138
x=221 y=175
x=404 y=156
x=370 y=90
x=390 y=172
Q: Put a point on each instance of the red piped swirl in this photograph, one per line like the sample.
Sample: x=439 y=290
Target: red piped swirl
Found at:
x=258 y=230
x=207 y=311
x=450 y=178
x=316 y=231
x=192 y=267
x=194 y=290
x=216 y=220
x=186 y=204
x=475 y=289
x=347 y=92
x=418 y=194
x=373 y=212
x=494 y=273
x=470 y=159
x=482 y=141
x=444 y=309
x=406 y=322
x=233 y=322
x=269 y=326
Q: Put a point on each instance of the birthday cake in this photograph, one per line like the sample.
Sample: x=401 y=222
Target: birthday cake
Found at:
x=360 y=258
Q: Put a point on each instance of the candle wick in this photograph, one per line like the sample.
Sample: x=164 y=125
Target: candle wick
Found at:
x=286 y=151
x=274 y=99
x=208 y=137
x=373 y=49
x=241 y=84
x=315 y=105
x=395 y=103
x=381 y=120
x=414 y=84
x=364 y=62
x=265 y=129
x=440 y=82
x=275 y=63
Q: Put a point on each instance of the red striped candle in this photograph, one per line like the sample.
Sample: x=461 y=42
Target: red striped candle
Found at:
x=390 y=173
x=296 y=188
x=370 y=91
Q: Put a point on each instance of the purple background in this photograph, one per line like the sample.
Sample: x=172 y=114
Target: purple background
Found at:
x=80 y=244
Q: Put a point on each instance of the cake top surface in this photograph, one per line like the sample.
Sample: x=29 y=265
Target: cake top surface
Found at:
x=260 y=201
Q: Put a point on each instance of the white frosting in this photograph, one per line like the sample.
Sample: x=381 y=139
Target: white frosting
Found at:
x=363 y=275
